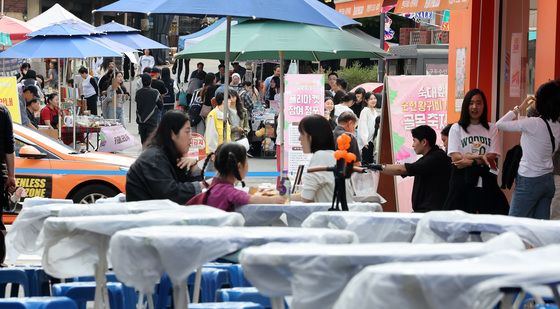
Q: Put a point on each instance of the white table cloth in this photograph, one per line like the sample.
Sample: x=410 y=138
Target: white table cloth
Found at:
x=22 y=238
x=37 y=201
x=316 y=274
x=439 y=284
x=487 y=294
x=457 y=226
x=77 y=246
x=296 y=212
x=140 y=256
x=370 y=227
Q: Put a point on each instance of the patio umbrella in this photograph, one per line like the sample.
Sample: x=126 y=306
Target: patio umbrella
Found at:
x=58 y=47
x=135 y=40
x=299 y=11
x=16 y=28
x=115 y=27
x=68 y=27
x=253 y=40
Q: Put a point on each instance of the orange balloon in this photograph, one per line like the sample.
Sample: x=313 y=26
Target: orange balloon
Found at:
x=350 y=157
x=339 y=154
x=343 y=142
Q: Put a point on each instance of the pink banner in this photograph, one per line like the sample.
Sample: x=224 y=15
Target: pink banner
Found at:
x=304 y=95
x=413 y=101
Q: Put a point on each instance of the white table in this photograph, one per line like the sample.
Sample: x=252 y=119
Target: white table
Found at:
x=77 y=246
x=22 y=238
x=140 y=256
x=458 y=226
x=38 y=201
x=370 y=227
x=296 y=212
x=316 y=274
x=442 y=284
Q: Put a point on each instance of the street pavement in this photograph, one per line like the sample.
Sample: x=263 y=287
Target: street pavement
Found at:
x=255 y=164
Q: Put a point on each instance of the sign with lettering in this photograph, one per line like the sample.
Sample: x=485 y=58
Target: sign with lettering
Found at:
x=360 y=8
x=410 y=6
x=413 y=101
x=304 y=95
x=115 y=138
x=9 y=97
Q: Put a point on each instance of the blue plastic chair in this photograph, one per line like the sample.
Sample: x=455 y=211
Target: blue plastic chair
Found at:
x=82 y=292
x=13 y=276
x=228 y=305
x=38 y=303
x=130 y=295
x=246 y=294
x=236 y=275
x=213 y=279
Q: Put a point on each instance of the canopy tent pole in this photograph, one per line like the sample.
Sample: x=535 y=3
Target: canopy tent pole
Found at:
x=2 y=9
x=281 y=114
x=59 y=83
x=226 y=78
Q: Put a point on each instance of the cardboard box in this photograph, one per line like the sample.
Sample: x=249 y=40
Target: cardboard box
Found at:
x=48 y=131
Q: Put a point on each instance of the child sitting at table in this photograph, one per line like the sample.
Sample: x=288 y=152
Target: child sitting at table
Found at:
x=230 y=161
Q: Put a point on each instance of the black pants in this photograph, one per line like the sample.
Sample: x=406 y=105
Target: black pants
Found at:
x=92 y=104
x=3 y=202
x=367 y=154
x=145 y=130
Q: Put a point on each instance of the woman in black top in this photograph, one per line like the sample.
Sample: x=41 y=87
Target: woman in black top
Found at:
x=170 y=85
x=163 y=170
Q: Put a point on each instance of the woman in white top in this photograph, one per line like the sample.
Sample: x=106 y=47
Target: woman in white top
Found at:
x=474 y=146
x=534 y=184
x=317 y=138
x=367 y=128
x=147 y=60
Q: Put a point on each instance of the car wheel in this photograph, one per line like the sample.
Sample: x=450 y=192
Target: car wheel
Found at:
x=91 y=193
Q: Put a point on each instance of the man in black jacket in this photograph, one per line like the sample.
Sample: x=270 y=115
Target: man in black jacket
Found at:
x=148 y=104
x=431 y=172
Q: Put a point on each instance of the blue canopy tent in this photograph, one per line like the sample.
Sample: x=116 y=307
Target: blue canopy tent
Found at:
x=61 y=40
x=193 y=38
x=300 y=11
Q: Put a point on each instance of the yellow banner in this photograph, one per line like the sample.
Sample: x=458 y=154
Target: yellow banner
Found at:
x=9 y=97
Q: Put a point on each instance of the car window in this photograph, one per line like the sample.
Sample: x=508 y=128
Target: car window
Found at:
x=19 y=142
x=49 y=142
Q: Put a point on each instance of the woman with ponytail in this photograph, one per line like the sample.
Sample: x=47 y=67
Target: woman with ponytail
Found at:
x=230 y=161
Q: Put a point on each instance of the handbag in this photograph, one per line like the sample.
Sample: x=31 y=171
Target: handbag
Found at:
x=205 y=110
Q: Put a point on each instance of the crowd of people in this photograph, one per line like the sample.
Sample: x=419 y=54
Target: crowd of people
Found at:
x=461 y=175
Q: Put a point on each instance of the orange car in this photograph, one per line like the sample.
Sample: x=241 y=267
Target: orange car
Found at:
x=46 y=168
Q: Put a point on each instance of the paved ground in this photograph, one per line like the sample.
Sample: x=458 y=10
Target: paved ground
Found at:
x=255 y=164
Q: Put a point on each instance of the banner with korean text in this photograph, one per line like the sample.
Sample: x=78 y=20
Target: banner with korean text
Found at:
x=304 y=95
x=410 y=6
x=9 y=97
x=413 y=101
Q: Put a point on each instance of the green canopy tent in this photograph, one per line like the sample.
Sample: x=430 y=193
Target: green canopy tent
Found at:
x=278 y=40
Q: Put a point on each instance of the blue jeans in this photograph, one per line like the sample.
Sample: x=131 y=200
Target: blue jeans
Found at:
x=532 y=196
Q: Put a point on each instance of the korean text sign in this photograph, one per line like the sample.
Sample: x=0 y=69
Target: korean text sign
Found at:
x=413 y=101
x=304 y=95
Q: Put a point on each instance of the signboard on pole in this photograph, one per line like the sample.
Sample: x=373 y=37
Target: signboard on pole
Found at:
x=9 y=97
x=413 y=101
x=515 y=66
x=304 y=95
